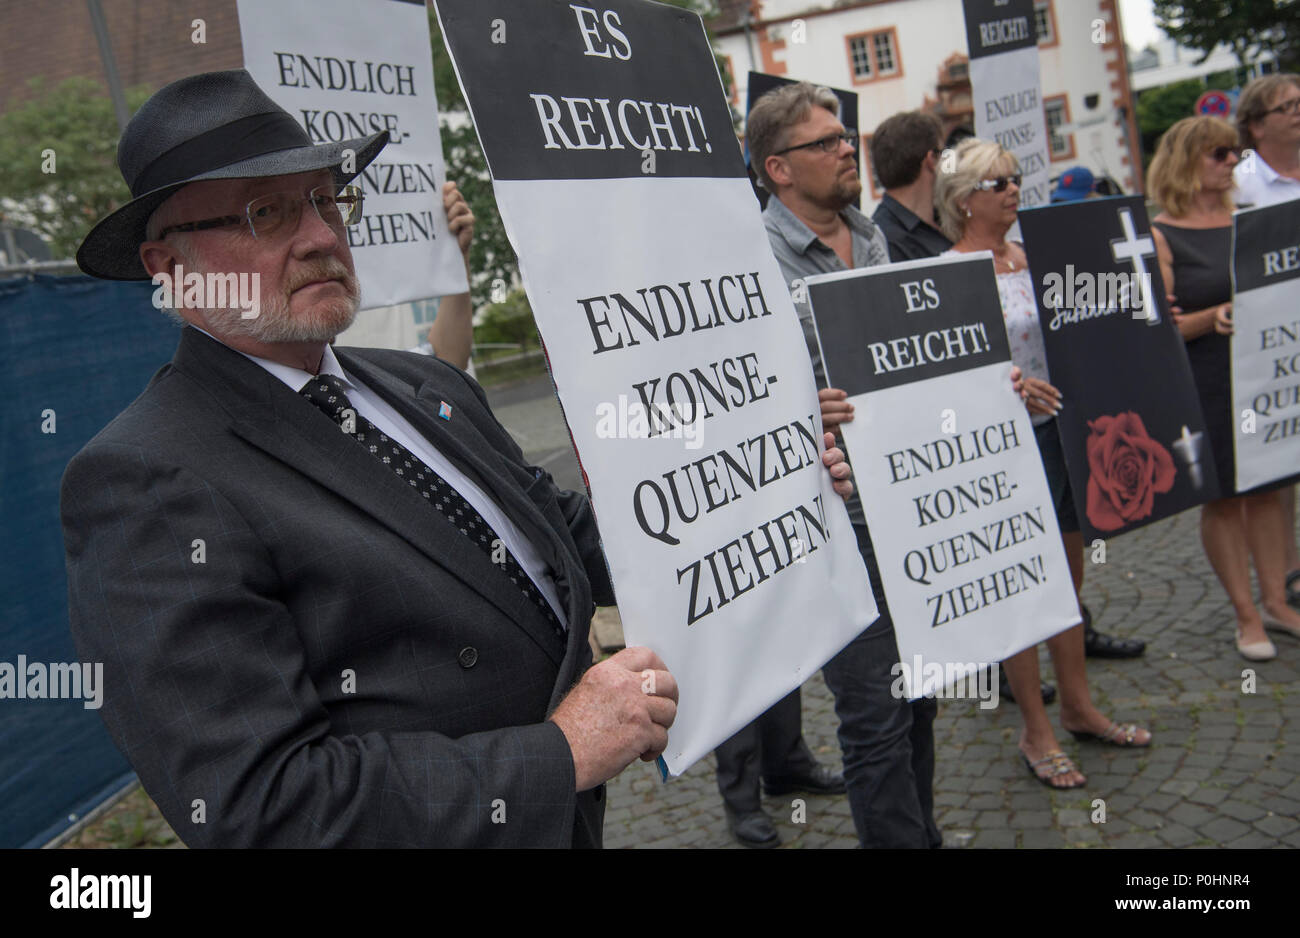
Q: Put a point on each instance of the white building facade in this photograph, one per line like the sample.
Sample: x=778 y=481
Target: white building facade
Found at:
x=902 y=55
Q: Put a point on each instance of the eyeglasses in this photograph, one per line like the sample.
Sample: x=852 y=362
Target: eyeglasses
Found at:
x=999 y=184
x=1219 y=154
x=337 y=207
x=1286 y=107
x=828 y=144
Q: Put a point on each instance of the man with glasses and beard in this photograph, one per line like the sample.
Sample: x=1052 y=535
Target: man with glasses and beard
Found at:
x=334 y=605
x=801 y=154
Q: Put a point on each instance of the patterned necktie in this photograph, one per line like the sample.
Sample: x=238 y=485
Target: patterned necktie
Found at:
x=328 y=394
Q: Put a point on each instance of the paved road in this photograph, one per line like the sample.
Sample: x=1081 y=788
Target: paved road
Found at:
x=1224 y=768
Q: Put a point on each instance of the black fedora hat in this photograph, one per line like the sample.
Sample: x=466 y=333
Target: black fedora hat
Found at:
x=218 y=125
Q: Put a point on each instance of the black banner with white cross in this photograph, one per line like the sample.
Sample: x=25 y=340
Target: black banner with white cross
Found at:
x=1131 y=425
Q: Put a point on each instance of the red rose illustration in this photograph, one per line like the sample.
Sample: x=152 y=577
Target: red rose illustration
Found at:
x=1126 y=470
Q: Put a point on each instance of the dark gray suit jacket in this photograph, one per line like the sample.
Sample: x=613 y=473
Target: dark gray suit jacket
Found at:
x=227 y=680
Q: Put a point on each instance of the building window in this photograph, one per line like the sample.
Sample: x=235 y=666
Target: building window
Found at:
x=1058 y=115
x=860 y=58
x=884 y=43
x=1045 y=22
x=874 y=55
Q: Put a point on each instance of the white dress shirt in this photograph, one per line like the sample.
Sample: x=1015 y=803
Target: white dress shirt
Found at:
x=375 y=409
x=1259 y=184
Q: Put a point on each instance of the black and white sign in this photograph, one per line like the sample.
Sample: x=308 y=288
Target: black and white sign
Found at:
x=952 y=485
x=1266 y=343
x=349 y=68
x=1006 y=87
x=1134 y=437
x=670 y=335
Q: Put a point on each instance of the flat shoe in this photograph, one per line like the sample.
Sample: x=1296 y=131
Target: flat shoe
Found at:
x=1116 y=735
x=753 y=829
x=1256 y=651
x=1061 y=765
x=1100 y=645
x=1276 y=625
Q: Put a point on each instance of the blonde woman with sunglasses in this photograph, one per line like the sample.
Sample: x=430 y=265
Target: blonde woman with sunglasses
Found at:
x=1191 y=177
x=977 y=205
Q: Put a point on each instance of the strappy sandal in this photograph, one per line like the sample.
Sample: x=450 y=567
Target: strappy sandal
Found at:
x=1116 y=735
x=1061 y=765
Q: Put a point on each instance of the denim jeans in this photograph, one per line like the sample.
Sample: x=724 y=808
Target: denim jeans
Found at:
x=887 y=742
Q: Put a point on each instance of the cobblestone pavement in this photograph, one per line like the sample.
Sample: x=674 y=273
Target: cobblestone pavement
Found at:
x=1223 y=768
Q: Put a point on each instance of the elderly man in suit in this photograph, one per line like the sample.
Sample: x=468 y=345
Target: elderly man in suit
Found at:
x=334 y=605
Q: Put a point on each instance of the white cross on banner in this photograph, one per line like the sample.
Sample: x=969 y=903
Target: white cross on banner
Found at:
x=1133 y=249
x=1135 y=441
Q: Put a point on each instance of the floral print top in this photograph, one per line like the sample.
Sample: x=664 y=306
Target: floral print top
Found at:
x=1020 y=313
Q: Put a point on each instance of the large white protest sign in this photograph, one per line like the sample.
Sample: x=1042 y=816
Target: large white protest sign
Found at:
x=1006 y=87
x=1266 y=343
x=952 y=485
x=674 y=346
x=347 y=69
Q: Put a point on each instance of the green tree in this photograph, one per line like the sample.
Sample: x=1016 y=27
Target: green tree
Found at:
x=492 y=261
x=508 y=321
x=1248 y=27
x=1158 y=109
x=70 y=129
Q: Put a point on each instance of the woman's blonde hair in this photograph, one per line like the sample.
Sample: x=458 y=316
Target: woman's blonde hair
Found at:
x=975 y=159
x=1174 y=176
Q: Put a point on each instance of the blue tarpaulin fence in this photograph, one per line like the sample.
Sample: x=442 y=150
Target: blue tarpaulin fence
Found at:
x=74 y=351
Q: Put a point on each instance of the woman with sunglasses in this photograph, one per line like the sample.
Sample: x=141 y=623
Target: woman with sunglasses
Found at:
x=1191 y=179
x=977 y=205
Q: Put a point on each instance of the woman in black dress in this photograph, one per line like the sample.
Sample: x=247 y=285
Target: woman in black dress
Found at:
x=1191 y=178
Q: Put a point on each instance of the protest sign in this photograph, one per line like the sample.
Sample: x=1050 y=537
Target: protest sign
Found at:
x=1266 y=343
x=1006 y=87
x=348 y=69
x=944 y=454
x=674 y=346
x=1135 y=439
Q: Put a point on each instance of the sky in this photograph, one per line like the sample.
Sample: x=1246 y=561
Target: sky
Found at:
x=1139 y=23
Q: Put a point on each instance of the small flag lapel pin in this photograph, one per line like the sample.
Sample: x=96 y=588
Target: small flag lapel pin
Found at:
x=444 y=410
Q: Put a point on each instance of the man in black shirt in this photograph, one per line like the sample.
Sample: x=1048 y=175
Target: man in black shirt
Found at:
x=906 y=151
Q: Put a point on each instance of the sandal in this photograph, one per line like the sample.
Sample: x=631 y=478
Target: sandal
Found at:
x=1061 y=765
x=1115 y=735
